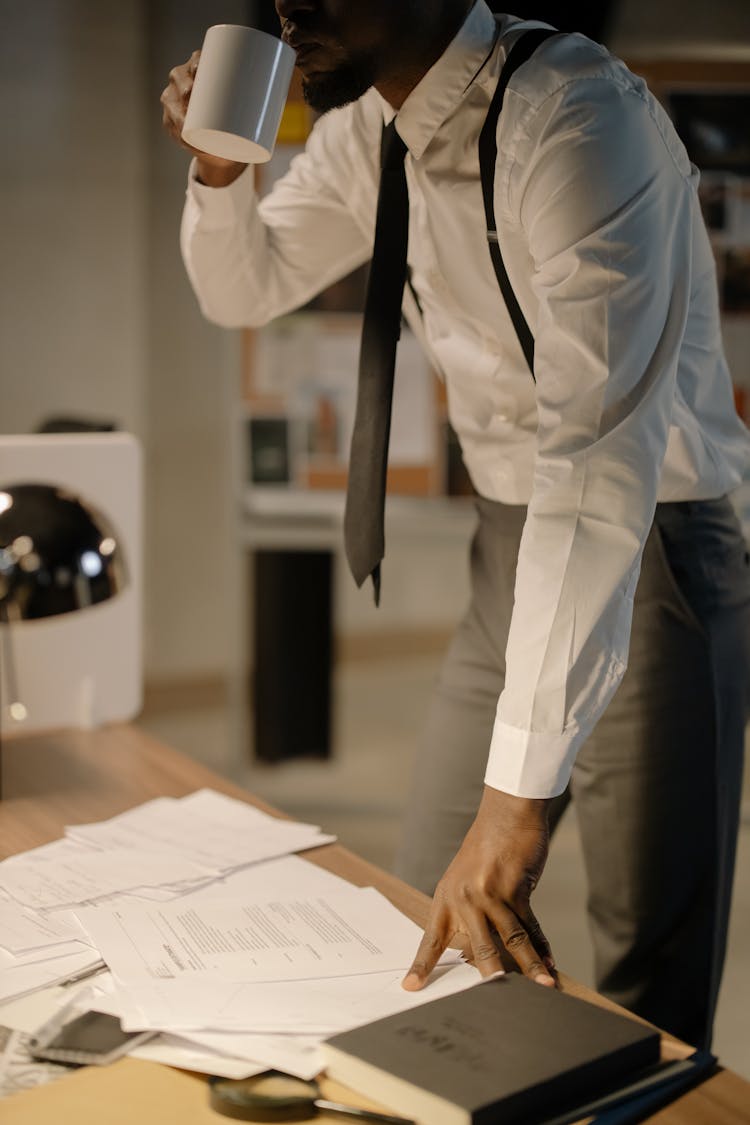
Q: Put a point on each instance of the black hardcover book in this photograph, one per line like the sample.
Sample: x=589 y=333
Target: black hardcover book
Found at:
x=507 y=1051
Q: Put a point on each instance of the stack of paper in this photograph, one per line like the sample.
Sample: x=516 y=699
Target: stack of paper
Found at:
x=238 y=955
x=160 y=851
x=36 y=951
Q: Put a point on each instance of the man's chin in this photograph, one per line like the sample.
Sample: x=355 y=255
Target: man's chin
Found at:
x=331 y=89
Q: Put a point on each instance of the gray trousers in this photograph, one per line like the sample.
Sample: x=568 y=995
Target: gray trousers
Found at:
x=657 y=786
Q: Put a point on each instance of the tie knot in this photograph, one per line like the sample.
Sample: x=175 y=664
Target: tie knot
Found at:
x=392 y=148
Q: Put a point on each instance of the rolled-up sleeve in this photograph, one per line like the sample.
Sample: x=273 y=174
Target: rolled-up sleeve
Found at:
x=605 y=201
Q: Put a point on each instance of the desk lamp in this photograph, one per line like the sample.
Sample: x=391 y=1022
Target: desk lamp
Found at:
x=57 y=555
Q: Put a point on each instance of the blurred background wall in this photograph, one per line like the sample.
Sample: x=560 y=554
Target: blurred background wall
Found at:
x=97 y=320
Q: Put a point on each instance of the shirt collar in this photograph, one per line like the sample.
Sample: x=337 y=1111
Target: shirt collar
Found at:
x=442 y=88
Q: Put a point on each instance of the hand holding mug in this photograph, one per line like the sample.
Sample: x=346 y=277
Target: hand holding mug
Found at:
x=227 y=110
x=216 y=171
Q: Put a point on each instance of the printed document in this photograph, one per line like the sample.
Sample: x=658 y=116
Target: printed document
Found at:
x=205 y=827
x=22 y=929
x=350 y=931
x=49 y=883
x=309 y=1007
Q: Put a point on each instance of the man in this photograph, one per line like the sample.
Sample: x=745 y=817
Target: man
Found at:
x=596 y=209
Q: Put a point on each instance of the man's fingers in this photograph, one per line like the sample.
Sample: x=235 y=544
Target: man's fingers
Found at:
x=537 y=936
x=172 y=125
x=174 y=98
x=518 y=943
x=432 y=946
x=181 y=80
x=484 y=953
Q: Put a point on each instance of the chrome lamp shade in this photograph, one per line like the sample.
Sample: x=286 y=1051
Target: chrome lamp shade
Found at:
x=57 y=555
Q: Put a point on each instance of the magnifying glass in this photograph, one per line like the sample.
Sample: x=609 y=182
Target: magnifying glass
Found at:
x=273 y=1096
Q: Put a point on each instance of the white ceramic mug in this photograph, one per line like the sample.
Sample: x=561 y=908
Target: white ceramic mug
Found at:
x=239 y=93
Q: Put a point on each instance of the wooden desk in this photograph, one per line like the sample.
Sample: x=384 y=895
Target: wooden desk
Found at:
x=59 y=779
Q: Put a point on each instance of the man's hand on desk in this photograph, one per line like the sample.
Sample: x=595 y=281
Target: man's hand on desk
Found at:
x=486 y=892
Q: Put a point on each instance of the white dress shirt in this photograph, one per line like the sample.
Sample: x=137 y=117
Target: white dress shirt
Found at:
x=601 y=232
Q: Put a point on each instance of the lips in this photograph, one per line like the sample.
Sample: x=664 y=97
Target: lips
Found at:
x=307 y=52
x=292 y=35
x=299 y=38
x=304 y=49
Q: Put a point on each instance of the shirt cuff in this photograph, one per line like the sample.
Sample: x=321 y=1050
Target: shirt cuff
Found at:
x=528 y=763
x=219 y=207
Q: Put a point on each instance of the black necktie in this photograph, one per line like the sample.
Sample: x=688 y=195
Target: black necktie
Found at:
x=368 y=462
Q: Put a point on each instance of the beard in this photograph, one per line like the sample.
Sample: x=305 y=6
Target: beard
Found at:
x=333 y=88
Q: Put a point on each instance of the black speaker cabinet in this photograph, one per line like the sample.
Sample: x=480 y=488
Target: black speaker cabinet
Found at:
x=293 y=652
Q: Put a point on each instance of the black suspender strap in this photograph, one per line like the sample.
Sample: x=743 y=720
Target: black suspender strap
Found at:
x=519 y=53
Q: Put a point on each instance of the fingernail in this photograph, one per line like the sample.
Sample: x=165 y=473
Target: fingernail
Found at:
x=544 y=978
x=411 y=980
x=493 y=976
